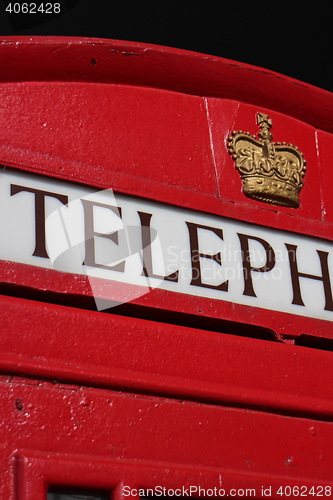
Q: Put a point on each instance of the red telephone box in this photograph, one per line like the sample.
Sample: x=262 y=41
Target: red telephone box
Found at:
x=166 y=275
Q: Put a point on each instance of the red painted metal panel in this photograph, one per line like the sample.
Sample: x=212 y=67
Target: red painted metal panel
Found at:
x=66 y=424
x=99 y=130
x=35 y=471
x=161 y=305
x=325 y=149
x=145 y=65
x=151 y=357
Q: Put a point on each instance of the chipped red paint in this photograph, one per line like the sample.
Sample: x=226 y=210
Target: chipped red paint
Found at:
x=152 y=122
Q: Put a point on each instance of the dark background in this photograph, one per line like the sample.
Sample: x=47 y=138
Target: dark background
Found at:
x=295 y=42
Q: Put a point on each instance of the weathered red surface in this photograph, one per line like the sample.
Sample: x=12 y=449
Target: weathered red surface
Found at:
x=94 y=437
x=103 y=349
x=151 y=122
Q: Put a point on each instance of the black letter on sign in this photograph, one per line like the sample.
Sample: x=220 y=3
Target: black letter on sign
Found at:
x=295 y=275
x=40 y=248
x=247 y=268
x=196 y=255
x=90 y=259
x=146 y=250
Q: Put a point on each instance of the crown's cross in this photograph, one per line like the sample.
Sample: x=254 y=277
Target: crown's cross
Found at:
x=265 y=123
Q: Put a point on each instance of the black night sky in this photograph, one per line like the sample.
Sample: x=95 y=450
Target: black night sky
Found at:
x=296 y=42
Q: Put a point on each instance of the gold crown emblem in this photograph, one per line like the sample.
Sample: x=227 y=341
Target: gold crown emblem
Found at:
x=271 y=172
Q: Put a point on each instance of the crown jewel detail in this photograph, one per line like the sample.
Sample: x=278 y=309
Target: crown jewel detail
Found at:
x=272 y=172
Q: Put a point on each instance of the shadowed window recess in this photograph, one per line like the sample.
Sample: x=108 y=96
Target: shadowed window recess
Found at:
x=74 y=494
